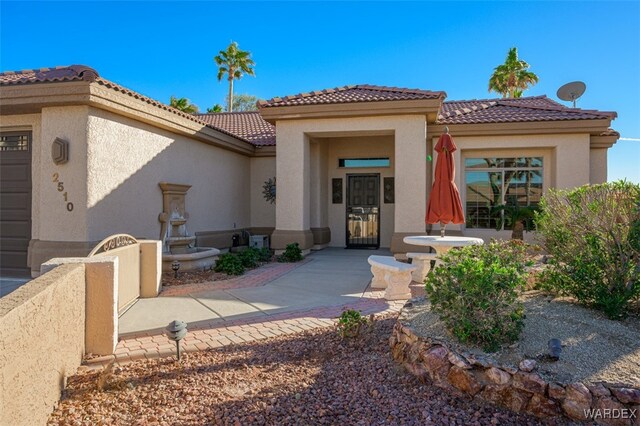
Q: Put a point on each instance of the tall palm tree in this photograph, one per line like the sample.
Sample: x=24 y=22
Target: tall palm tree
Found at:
x=512 y=78
x=235 y=63
x=183 y=104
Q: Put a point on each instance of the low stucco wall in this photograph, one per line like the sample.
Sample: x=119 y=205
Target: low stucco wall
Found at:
x=41 y=343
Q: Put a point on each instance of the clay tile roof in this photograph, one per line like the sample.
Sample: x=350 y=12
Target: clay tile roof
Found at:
x=350 y=94
x=48 y=75
x=536 y=108
x=248 y=125
x=88 y=74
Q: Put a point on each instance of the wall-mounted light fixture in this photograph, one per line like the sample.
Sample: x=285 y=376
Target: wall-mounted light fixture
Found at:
x=60 y=151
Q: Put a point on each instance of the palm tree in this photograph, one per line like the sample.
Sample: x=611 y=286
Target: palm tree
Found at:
x=215 y=108
x=512 y=78
x=235 y=63
x=183 y=104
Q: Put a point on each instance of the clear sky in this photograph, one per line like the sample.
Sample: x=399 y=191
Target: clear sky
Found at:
x=166 y=48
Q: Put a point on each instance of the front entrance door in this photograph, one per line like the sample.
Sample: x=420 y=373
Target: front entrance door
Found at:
x=363 y=211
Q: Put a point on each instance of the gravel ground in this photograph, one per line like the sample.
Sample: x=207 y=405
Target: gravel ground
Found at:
x=308 y=378
x=595 y=349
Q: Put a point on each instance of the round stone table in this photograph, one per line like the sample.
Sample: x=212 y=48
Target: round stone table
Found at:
x=441 y=246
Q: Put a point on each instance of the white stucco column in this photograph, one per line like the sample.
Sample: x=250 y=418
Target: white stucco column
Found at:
x=410 y=175
x=293 y=189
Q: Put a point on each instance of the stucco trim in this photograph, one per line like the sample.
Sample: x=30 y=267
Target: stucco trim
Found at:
x=321 y=236
x=31 y=98
x=280 y=238
x=603 y=141
x=427 y=107
x=593 y=127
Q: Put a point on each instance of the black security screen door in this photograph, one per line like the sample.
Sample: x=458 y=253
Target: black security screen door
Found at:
x=363 y=211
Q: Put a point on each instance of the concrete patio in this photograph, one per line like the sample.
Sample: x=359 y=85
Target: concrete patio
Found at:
x=332 y=277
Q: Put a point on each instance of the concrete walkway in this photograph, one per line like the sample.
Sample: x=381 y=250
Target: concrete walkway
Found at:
x=9 y=284
x=275 y=300
x=330 y=277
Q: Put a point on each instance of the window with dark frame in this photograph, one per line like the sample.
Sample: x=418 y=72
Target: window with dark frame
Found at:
x=15 y=141
x=491 y=182
x=364 y=162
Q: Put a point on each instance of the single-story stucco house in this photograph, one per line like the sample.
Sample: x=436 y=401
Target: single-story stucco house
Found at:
x=82 y=157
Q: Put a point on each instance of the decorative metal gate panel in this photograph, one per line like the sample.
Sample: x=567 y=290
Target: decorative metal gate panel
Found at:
x=363 y=211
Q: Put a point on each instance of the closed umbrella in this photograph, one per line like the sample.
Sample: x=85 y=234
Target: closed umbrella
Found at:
x=444 y=201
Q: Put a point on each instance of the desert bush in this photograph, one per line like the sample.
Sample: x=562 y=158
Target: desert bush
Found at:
x=249 y=257
x=230 y=264
x=475 y=292
x=350 y=323
x=292 y=253
x=593 y=236
x=264 y=254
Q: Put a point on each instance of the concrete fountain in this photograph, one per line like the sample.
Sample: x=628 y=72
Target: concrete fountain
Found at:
x=177 y=244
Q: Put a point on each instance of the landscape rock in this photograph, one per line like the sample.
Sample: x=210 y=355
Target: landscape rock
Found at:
x=627 y=395
x=464 y=380
x=527 y=365
x=577 y=401
x=556 y=391
x=608 y=404
x=541 y=406
x=497 y=376
x=529 y=382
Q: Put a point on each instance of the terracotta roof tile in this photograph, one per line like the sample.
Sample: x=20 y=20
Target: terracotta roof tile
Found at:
x=49 y=75
x=351 y=94
x=84 y=73
x=536 y=108
x=247 y=125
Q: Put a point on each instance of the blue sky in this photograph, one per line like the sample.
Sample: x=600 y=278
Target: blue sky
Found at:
x=167 y=48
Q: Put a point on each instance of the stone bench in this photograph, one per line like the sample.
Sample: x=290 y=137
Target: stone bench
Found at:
x=422 y=261
x=391 y=275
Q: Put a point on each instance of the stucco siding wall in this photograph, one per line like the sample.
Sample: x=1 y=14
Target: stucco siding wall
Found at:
x=32 y=123
x=263 y=213
x=360 y=147
x=566 y=162
x=598 y=169
x=409 y=135
x=56 y=222
x=41 y=343
x=126 y=161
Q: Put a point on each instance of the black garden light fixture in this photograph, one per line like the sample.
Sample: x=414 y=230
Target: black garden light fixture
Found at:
x=175 y=265
x=176 y=330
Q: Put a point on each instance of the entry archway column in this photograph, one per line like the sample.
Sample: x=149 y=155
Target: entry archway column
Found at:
x=292 y=189
x=410 y=148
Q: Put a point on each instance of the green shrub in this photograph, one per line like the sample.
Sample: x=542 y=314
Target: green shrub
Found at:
x=230 y=264
x=292 y=253
x=350 y=323
x=475 y=292
x=264 y=254
x=249 y=257
x=593 y=235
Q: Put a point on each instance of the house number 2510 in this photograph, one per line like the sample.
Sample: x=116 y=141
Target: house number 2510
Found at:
x=60 y=188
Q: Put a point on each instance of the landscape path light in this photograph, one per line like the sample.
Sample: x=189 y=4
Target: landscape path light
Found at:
x=175 y=265
x=176 y=330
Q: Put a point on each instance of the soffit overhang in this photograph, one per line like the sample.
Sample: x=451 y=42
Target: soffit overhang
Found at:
x=594 y=128
x=32 y=98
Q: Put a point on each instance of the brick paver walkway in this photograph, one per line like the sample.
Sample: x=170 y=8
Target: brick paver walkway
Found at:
x=216 y=333
x=254 y=278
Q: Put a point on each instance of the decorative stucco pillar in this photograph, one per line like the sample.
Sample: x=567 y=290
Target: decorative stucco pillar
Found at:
x=410 y=147
x=293 y=189
x=318 y=213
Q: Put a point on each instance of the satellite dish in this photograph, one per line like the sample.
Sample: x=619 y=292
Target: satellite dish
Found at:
x=572 y=91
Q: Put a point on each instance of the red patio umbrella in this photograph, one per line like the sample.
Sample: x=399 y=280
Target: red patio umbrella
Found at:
x=444 y=201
